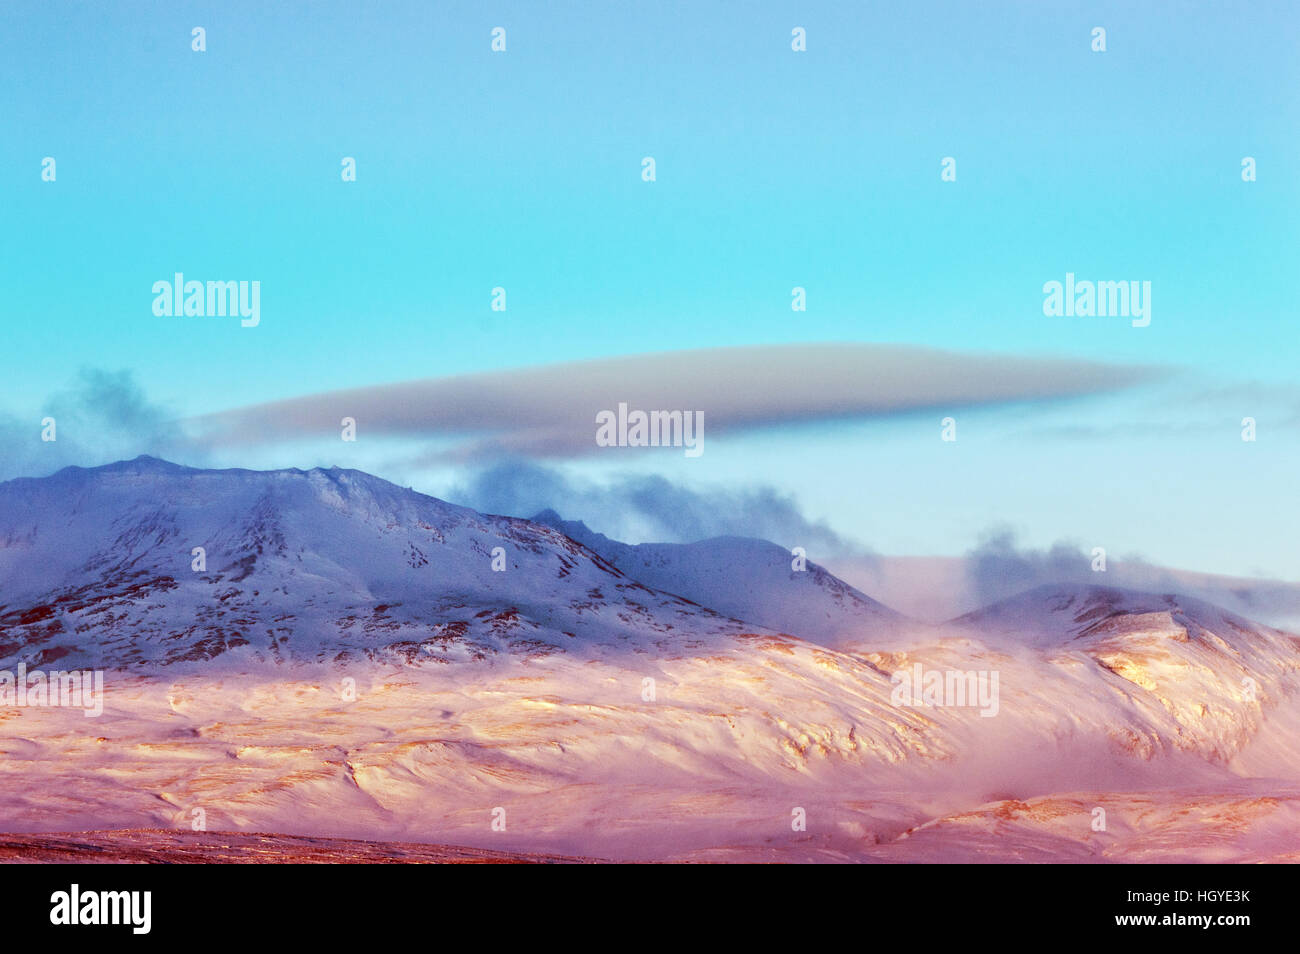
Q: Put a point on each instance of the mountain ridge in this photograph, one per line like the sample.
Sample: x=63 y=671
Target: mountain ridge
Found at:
x=748 y=578
x=100 y=564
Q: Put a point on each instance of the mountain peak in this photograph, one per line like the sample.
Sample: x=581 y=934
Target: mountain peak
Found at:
x=143 y=464
x=145 y=562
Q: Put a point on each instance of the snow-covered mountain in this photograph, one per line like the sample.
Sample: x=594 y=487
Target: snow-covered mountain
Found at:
x=1197 y=675
x=1055 y=615
x=748 y=579
x=618 y=701
x=100 y=566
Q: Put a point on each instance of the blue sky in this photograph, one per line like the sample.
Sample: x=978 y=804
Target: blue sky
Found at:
x=774 y=169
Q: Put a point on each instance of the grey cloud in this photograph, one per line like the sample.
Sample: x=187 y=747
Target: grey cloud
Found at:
x=550 y=411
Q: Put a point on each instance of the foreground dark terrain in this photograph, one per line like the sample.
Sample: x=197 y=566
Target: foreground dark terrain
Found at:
x=163 y=846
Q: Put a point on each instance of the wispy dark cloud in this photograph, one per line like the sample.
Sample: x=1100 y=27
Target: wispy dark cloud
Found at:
x=102 y=416
x=648 y=508
x=998 y=568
